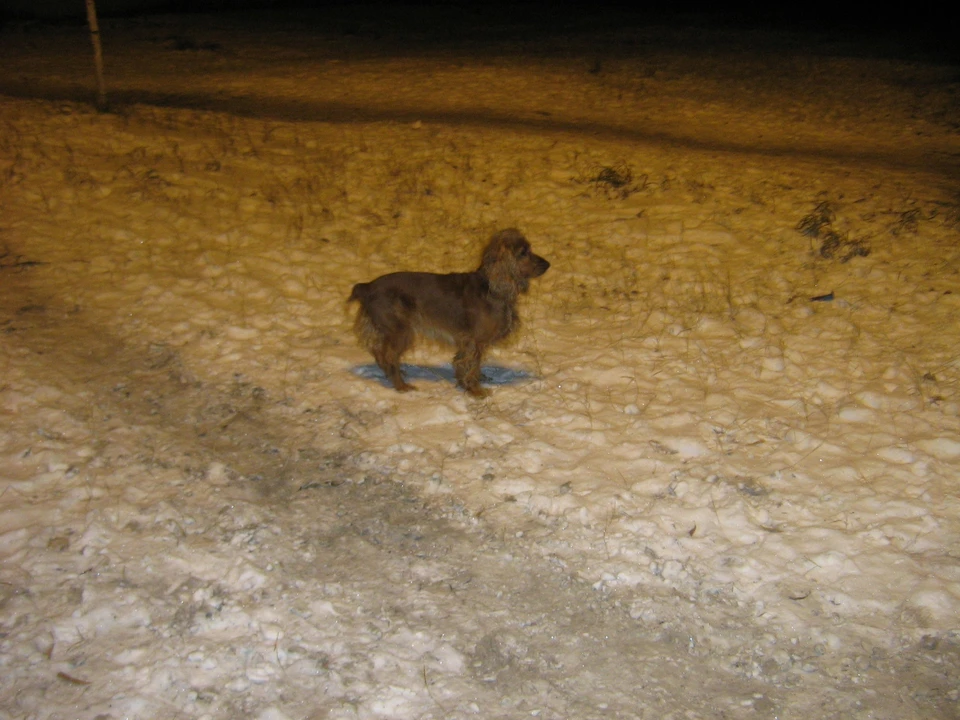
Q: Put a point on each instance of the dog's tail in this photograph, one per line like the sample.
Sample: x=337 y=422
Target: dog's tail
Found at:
x=359 y=293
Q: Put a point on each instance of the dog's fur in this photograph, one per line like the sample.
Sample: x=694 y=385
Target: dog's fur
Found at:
x=470 y=311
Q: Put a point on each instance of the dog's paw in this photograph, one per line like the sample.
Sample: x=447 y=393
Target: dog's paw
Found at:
x=477 y=392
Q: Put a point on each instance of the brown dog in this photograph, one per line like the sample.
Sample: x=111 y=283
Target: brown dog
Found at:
x=470 y=311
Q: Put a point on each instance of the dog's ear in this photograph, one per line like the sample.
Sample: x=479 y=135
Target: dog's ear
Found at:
x=500 y=265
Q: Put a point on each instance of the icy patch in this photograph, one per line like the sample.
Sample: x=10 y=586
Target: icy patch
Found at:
x=941 y=448
x=896 y=454
x=686 y=447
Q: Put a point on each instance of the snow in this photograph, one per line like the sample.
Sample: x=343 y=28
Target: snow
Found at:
x=695 y=491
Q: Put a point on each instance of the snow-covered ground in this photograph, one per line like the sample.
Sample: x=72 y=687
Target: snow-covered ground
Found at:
x=718 y=472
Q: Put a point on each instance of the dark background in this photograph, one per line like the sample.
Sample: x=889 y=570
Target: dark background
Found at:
x=888 y=30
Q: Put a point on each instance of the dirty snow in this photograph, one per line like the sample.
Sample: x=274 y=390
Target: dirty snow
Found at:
x=717 y=474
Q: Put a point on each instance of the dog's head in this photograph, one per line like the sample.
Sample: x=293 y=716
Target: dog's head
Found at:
x=509 y=263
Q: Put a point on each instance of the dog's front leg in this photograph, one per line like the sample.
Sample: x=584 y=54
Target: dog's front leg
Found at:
x=466 y=366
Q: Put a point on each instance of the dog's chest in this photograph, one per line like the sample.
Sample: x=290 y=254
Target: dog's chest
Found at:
x=503 y=319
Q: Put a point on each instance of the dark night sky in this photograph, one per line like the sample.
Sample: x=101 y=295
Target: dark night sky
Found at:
x=884 y=29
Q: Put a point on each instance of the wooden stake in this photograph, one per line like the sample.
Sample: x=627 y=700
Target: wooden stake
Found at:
x=97 y=54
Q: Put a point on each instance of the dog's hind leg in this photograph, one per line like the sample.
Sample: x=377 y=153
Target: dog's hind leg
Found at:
x=387 y=352
x=387 y=341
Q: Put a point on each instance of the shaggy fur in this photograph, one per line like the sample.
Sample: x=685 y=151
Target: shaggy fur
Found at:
x=470 y=311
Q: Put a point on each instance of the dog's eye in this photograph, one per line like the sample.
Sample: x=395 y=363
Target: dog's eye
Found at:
x=524 y=251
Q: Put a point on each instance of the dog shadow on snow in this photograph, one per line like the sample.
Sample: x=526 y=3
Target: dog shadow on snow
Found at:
x=492 y=375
